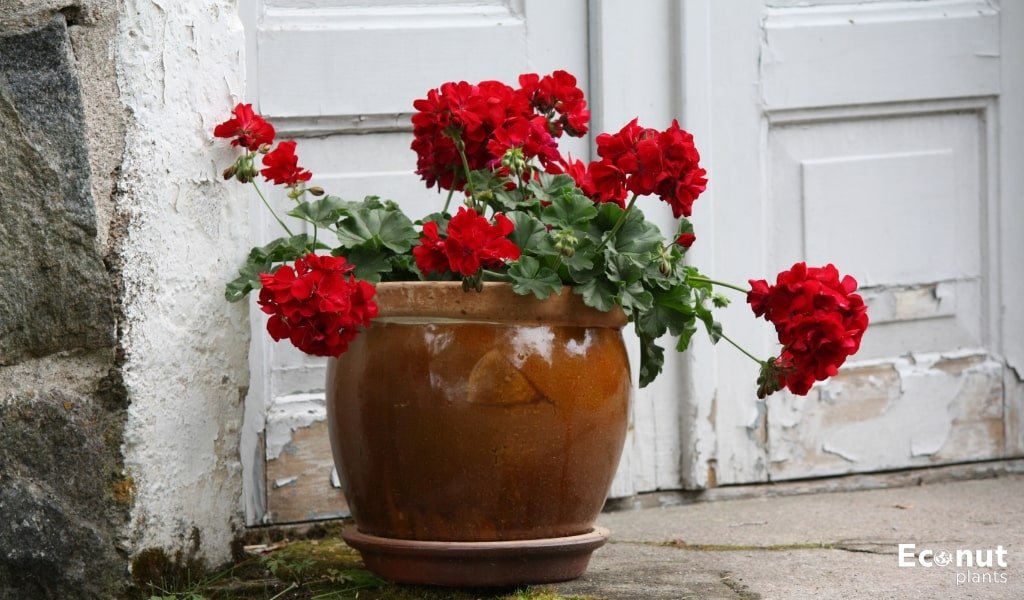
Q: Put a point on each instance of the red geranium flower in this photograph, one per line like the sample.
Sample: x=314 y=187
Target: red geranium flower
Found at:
x=473 y=112
x=318 y=304
x=558 y=93
x=646 y=161
x=282 y=166
x=248 y=129
x=529 y=134
x=819 y=320
x=430 y=255
x=613 y=190
x=472 y=243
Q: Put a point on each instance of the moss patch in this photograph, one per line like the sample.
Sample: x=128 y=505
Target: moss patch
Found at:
x=321 y=568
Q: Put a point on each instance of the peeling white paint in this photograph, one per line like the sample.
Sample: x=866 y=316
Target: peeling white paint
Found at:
x=843 y=454
x=919 y=409
x=288 y=414
x=180 y=70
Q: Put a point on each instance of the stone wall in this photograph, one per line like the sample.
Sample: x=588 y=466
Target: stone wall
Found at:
x=64 y=495
x=121 y=367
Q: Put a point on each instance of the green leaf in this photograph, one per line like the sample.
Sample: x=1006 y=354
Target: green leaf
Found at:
x=634 y=298
x=622 y=268
x=551 y=187
x=670 y=311
x=403 y=266
x=282 y=249
x=369 y=263
x=598 y=293
x=262 y=260
x=637 y=236
x=652 y=359
x=569 y=210
x=323 y=212
x=583 y=257
x=608 y=214
x=248 y=280
x=713 y=327
x=376 y=225
x=530 y=277
x=685 y=336
x=529 y=231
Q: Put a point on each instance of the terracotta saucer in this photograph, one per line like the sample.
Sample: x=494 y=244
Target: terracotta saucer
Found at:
x=477 y=564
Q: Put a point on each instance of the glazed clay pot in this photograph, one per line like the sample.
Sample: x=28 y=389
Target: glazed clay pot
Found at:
x=476 y=434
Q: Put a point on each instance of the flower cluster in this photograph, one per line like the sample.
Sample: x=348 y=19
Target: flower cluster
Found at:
x=819 y=320
x=488 y=119
x=318 y=304
x=471 y=243
x=252 y=132
x=246 y=129
x=641 y=161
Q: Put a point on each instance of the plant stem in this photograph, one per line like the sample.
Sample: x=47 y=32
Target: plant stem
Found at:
x=716 y=282
x=465 y=167
x=741 y=349
x=267 y=204
x=618 y=224
x=497 y=276
x=448 y=200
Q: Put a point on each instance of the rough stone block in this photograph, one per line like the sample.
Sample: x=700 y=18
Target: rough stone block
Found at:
x=61 y=499
x=54 y=290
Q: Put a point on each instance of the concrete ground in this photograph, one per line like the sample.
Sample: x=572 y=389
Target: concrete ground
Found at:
x=828 y=545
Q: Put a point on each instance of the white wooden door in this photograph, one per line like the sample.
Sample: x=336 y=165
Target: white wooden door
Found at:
x=885 y=137
x=340 y=76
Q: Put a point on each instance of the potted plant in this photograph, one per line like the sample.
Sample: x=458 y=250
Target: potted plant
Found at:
x=478 y=386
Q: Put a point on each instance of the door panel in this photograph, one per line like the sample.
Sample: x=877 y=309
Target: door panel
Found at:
x=870 y=141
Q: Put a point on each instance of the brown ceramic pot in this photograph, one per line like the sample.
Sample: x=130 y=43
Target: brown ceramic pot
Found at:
x=476 y=434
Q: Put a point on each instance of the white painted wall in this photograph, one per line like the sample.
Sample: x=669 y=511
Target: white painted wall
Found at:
x=180 y=70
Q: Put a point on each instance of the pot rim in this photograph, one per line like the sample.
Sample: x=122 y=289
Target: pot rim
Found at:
x=433 y=301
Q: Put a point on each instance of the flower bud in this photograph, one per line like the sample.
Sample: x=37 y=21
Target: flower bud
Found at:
x=316 y=190
x=514 y=160
x=665 y=268
x=229 y=172
x=264 y=149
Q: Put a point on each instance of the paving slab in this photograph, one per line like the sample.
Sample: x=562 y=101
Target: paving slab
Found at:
x=833 y=545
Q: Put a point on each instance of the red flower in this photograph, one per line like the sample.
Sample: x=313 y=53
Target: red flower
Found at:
x=583 y=175
x=490 y=118
x=529 y=134
x=430 y=255
x=646 y=161
x=682 y=179
x=473 y=113
x=819 y=320
x=686 y=239
x=557 y=93
x=282 y=166
x=472 y=243
x=318 y=305
x=248 y=129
